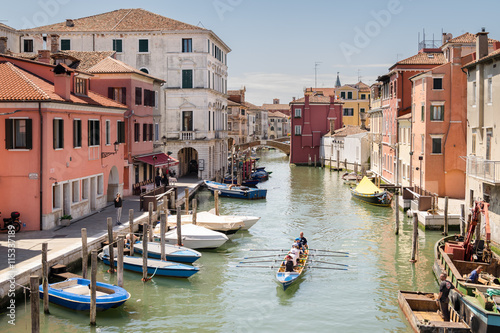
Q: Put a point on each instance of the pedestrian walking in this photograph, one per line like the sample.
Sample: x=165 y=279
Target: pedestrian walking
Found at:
x=118 y=206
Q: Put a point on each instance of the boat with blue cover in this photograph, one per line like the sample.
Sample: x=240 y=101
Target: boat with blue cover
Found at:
x=234 y=191
x=74 y=294
x=287 y=278
x=172 y=252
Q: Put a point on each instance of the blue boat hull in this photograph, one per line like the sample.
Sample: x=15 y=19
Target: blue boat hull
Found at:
x=236 y=191
x=286 y=281
x=180 y=256
x=82 y=302
x=179 y=270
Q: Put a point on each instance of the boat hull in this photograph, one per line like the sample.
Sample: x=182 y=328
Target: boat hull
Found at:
x=236 y=191
x=155 y=267
x=198 y=243
x=372 y=199
x=288 y=278
x=81 y=302
x=181 y=254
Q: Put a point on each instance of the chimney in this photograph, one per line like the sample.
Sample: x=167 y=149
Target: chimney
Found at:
x=3 y=45
x=70 y=23
x=276 y=101
x=332 y=126
x=444 y=38
x=62 y=82
x=44 y=56
x=481 y=44
x=293 y=98
x=362 y=117
x=54 y=43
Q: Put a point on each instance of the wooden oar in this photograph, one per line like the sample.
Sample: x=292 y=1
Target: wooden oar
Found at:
x=330 y=263
x=251 y=262
x=257 y=266
x=328 y=255
x=329 y=251
x=268 y=250
x=271 y=255
x=335 y=268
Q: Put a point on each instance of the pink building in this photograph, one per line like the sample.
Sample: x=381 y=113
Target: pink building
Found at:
x=439 y=121
x=312 y=117
x=63 y=152
x=396 y=101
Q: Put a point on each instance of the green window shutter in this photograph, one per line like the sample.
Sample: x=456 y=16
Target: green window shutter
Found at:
x=65 y=44
x=187 y=78
x=117 y=45
x=60 y=123
x=29 y=134
x=143 y=45
x=9 y=125
x=138 y=95
x=54 y=133
x=124 y=96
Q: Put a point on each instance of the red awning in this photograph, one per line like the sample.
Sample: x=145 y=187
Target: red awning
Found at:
x=157 y=160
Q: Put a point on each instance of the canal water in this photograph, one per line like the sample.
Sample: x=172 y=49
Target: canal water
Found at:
x=226 y=298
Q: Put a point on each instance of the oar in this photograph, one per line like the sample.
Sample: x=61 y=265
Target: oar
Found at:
x=334 y=268
x=267 y=250
x=329 y=251
x=271 y=255
x=330 y=263
x=257 y=266
x=328 y=255
x=251 y=262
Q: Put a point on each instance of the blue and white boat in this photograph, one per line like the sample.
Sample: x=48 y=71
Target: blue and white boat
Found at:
x=234 y=191
x=74 y=294
x=287 y=278
x=172 y=252
x=155 y=266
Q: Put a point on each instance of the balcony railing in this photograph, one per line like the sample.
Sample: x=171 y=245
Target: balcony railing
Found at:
x=485 y=170
x=187 y=135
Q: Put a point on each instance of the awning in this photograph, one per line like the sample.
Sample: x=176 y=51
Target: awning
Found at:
x=157 y=160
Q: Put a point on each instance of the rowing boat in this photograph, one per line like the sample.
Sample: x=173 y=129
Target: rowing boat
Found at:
x=287 y=278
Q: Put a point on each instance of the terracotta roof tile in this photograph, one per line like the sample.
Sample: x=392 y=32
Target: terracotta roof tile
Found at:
x=271 y=107
x=111 y=65
x=119 y=20
x=83 y=60
x=232 y=103
x=277 y=114
x=251 y=106
x=16 y=86
x=491 y=55
x=468 y=38
x=348 y=130
x=313 y=99
x=423 y=59
x=5 y=26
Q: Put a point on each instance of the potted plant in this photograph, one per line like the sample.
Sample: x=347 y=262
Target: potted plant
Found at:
x=66 y=220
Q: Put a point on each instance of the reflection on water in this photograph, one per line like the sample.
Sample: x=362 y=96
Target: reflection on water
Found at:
x=226 y=298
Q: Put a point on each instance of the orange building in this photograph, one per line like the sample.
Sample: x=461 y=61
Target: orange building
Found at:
x=62 y=152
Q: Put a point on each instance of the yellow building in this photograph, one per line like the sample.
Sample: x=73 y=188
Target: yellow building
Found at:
x=356 y=99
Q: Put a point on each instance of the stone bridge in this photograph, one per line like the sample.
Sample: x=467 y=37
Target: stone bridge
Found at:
x=284 y=147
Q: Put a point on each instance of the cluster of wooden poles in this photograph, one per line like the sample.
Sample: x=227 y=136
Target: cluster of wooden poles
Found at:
x=147 y=235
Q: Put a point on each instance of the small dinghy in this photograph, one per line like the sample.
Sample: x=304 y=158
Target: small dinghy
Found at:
x=235 y=191
x=74 y=294
x=224 y=224
x=194 y=237
x=172 y=252
x=249 y=221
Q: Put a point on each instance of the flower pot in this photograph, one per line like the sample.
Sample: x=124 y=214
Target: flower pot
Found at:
x=65 y=222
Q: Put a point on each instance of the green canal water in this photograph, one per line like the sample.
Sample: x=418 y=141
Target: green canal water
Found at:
x=225 y=298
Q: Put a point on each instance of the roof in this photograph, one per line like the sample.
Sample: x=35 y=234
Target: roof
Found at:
x=348 y=130
x=5 y=26
x=404 y=117
x=423 y=59
x=135 y=19
x=251 y=106
x=277 y=114
x=271 y=107
x=16 y=84
x=233 y=103
x=110 y=65
x=325 y=91
x=157 y=159
x=29 y=56
x=83 y=60
x=491 y=55
x=467 y=38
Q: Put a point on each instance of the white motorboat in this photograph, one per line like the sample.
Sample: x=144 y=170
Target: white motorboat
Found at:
x=194 y=237
x=226 y=224
x=248 y=221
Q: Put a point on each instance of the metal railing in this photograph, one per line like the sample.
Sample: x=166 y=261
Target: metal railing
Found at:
x=485 y=170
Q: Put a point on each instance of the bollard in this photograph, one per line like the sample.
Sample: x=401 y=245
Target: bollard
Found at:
x=35 y=304
x=45 y=278
x=93 y=286
x=396 y=196
x=150 y=221
x=85 y=253
x=462 y=219
x=415 y=238
x=111 y=246
x=216 y=199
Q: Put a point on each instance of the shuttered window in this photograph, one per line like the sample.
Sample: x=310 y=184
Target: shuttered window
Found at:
x=94 y=133
x=58 y=133
x=144 y=132
x=121 y=131
x=18 y=134
x=137 y=133
x=138 y=96
x=77 y=133
x=187 y=78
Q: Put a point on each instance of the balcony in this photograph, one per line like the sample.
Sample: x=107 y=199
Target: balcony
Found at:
x=484 y=170
x=185 y=135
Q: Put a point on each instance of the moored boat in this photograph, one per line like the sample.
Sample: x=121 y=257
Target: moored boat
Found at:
x=287 y=278
x=248 y=220
x=172 y=252
x=420 y=309
x=74 y=294
x=194 y=237
x=224 y=224
x=367 y=191
x=234 y=191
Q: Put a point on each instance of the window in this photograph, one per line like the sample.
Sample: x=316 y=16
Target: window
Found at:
x=94 y=133
x=362 y=110
x=187 y=45
x=349 y=95
x=363 y=96
x=474 y=92
x=118 y=94
x=342 y=94
x=143 y=45
x=80 y=86
x=77 y=133
x=120 y=129
x=157 y=132
x=85 y=188
x=118 y=45
x=144 y=70
x=348 y=112
x=187 y=120
x=28 y=45
x=58 y=133
x=187 y=78
x=437 y=112
x=18 y=134
x=422 y=114
x=298 y=113
x=436 y=145
x=138 y=96
x=437 y=83
x=489 y=137
x=65 y=44
x=108 y=132
x=150 y=132
x=490 y=90
x=137 y=133
x=473 y=143
x=422 y=144
x=144 y=132
x=298 y=130
x=75 y=188
x=149 y=98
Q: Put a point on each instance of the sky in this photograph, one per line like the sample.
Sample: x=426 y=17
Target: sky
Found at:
x=280 y=47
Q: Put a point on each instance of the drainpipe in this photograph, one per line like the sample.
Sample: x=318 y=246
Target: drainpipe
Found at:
x=41 y=162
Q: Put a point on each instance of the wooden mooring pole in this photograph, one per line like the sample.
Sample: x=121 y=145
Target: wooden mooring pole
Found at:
x=45 y=277
x=331 y=166
x=145 y=252
x=111 y=246
x=179 y=223
x=186 y=200
x=195 y=211
x=172 y=199
x=35 y=304
x=396 y=202
x=216 y=199
x=85 y=253
x=415 y=238
x=445 y=231
x=93 y=286
x=119 y=264
x=131 y=230
x=163 y=229
x=150 y=221
x=462 y=219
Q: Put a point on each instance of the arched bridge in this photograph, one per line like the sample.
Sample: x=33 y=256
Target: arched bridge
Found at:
x=284 y=147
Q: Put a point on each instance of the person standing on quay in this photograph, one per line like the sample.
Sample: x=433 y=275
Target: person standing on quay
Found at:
x=118 y=206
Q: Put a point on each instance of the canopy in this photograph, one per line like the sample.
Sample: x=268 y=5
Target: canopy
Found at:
x=157 y=159
x=366 y=186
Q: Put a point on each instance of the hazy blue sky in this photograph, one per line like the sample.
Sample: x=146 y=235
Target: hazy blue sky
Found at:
x=276 y=43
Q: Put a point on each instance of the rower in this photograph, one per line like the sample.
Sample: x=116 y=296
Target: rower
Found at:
x=295 y=253
x=299 y=245
x=303 y=240
x=288 y=263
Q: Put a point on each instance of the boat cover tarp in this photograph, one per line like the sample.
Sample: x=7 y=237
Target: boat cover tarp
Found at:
x=366 y=186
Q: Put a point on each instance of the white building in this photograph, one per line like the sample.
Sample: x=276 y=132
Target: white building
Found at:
x=351 y=143
x=192 y=61
x=9 y=39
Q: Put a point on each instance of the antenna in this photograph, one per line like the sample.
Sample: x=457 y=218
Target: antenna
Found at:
x=316 y=65
x=199 y=23
x=359 y=75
